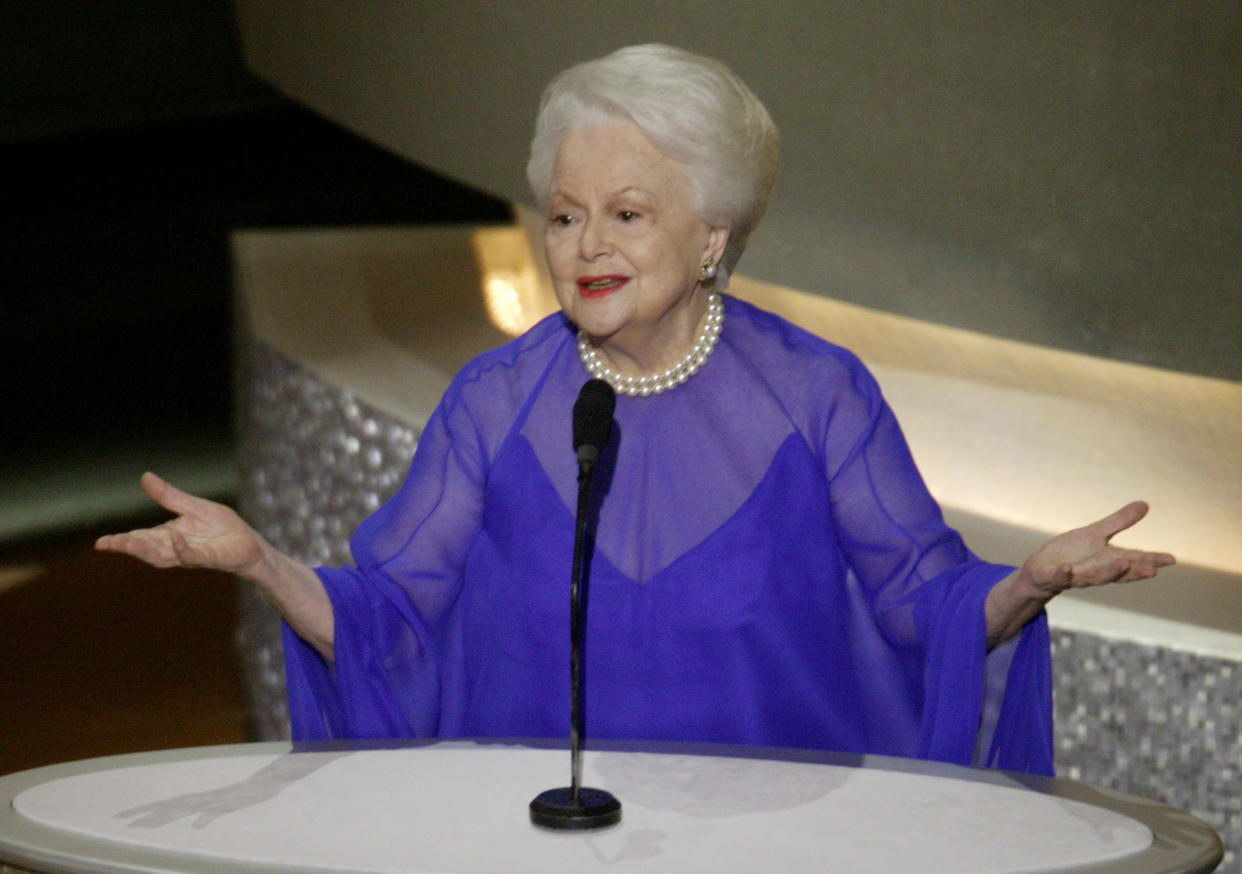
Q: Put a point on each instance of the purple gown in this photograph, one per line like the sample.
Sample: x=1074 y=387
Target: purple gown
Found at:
x=768 y=568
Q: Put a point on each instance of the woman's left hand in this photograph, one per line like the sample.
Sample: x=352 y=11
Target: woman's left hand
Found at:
x=1077 y=559
x=1084 y=557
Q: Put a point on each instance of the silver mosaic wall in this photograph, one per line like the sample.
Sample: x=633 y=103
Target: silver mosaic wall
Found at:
x=1154 y=722
x=315 y=461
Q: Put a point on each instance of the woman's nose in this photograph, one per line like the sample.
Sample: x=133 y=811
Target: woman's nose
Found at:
x=594 y=240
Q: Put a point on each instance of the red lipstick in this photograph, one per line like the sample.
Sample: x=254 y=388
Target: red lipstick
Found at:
x=600 y=286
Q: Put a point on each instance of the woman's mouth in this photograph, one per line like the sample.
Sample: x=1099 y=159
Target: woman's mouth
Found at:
x=600 y=286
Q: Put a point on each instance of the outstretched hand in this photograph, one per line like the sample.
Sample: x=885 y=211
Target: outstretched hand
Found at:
x=204 y=534
x=1085 y=557
x=1077 y=559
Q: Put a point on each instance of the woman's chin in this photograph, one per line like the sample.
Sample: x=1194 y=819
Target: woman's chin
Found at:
x=599 y=322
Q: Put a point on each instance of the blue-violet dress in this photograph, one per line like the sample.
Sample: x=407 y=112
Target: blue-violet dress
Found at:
x=767 y=568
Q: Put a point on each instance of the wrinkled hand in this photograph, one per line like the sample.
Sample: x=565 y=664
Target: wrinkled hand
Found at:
x=1084 y=557
x=204 y=534
x=1076 y=559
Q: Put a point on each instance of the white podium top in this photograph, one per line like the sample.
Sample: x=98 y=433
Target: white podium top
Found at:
x=463 y=807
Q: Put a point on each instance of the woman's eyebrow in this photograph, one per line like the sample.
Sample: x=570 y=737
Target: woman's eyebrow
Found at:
x=560 y=194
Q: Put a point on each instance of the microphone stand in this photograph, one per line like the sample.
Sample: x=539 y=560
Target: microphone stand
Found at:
x=575 y=640
x=576 y=808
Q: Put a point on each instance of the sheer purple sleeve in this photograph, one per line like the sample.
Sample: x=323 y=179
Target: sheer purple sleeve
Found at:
x=927 y=592
x=394 y=622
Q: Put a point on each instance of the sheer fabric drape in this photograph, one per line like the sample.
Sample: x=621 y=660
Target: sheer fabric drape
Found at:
x=766 y=568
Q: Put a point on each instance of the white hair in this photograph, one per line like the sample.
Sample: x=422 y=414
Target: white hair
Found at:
x=693 y=109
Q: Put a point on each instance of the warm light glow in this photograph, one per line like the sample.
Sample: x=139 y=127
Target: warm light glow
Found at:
x=513 y=292
x=504 y=305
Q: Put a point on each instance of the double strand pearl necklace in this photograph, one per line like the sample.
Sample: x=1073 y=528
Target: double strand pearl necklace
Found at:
x=655 y=383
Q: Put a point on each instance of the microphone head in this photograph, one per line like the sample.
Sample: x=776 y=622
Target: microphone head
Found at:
x=593 y=419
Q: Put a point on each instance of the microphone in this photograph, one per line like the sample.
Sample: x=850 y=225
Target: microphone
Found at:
x=592 y=422
x=576 y=807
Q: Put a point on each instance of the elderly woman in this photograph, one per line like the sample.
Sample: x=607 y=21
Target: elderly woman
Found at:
x=767 y=565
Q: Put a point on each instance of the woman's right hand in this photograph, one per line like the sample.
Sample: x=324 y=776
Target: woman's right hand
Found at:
x=204 y=534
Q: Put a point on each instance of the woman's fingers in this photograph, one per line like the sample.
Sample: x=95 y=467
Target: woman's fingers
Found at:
x=170 y=497
x=179 y=541
x=1112 y=525
x=168 y=546
x=1113 y=566
x=152 y=545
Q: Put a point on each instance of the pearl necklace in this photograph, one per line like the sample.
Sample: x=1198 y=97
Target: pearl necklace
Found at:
x=655 y=383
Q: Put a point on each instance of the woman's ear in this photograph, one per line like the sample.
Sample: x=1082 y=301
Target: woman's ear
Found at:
x=717 y=239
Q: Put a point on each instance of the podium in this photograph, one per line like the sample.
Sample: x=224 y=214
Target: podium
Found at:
x=461 y=806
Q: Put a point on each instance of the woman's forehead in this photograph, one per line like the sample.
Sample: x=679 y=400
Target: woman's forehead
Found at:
x=610 y=158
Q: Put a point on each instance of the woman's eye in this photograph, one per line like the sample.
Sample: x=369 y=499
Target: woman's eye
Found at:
x=561 y=219
x=627 y=215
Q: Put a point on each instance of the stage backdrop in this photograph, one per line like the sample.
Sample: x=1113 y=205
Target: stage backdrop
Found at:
x=1068 y=174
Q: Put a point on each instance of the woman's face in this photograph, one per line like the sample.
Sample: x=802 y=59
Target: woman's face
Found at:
x=625 y=242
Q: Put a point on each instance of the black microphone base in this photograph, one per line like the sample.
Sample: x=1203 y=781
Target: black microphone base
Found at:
x=556 y=809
